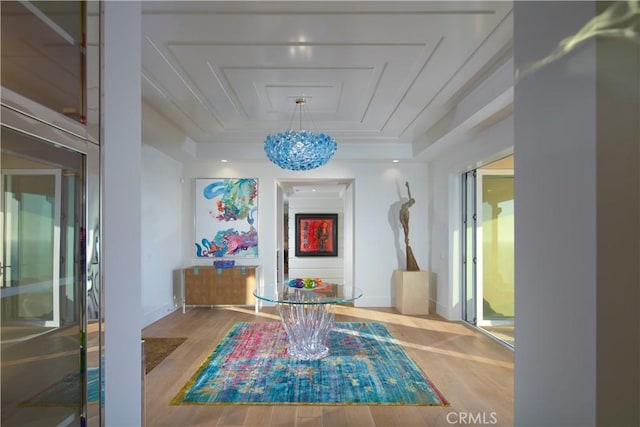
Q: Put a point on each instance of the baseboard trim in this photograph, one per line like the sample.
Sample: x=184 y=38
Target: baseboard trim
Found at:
x=157 y=314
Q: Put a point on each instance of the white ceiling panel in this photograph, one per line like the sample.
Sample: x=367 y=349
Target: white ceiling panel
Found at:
x=324 y=95
x=371 y=72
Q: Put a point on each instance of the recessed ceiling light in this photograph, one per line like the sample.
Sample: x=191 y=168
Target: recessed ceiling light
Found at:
x=395 y=160
x=224 y=161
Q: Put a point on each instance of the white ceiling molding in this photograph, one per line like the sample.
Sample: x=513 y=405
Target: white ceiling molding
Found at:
x=380 y=77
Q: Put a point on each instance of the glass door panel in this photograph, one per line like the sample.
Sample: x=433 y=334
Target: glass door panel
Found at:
x=488 y=258
x=498 y=278
x=42 y=281
x=31 y=250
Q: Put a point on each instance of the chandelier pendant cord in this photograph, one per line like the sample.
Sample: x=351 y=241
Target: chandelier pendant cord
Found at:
x=303 y=111
x=306 y=110
x=293 y=116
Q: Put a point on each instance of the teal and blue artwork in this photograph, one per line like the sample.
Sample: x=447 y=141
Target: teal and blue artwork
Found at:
x=226 y=217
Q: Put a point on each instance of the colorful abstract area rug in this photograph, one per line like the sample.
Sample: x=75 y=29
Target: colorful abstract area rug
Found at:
x=365 y=366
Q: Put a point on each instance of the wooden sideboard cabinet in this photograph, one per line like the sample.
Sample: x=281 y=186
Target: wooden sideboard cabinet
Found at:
x=207 y=285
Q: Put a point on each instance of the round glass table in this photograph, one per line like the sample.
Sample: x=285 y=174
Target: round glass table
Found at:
x=307 y=314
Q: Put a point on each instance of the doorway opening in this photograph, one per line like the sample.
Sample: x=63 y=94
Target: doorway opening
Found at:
x=488 y=249
x=321 y=197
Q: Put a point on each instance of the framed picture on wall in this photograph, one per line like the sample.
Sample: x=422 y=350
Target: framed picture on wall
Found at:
x=316 y=235
x=226 y=212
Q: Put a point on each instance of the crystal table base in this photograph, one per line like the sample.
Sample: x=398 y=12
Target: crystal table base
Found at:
x=307 y=327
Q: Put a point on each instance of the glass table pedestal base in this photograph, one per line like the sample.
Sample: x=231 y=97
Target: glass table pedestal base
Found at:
x=307 y=313
x=307 y=327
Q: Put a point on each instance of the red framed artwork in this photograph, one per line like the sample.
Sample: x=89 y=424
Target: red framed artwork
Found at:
x=316 y=235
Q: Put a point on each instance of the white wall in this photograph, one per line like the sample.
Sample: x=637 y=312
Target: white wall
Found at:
x=445 y=210
x=378 y=192
x=161 y=233
x=121 y=212
x=555 y=111
x=577 y=218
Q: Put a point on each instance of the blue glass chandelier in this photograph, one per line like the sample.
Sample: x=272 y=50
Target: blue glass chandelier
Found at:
x=299 y=150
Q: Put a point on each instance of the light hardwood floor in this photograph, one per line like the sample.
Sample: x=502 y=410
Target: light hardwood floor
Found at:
x=473 y=372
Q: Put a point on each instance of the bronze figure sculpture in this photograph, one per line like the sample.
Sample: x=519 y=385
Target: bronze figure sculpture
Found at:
x=412 y=264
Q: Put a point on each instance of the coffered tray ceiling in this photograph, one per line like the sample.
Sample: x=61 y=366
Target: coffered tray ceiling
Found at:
x=375 y=74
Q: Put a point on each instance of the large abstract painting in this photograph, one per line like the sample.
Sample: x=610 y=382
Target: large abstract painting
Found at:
x=226 y=217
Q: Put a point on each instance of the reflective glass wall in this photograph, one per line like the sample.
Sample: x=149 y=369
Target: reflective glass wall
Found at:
x=42 y=53
x=42 y=282
x=51 y=307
